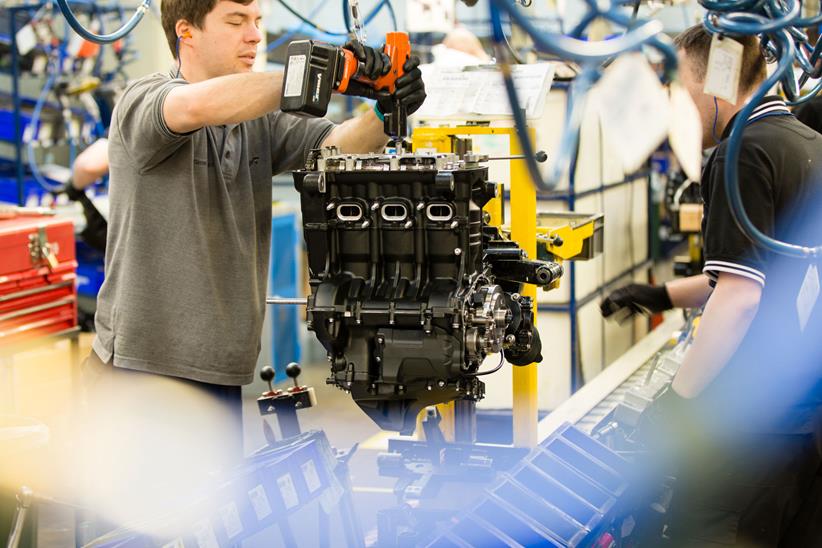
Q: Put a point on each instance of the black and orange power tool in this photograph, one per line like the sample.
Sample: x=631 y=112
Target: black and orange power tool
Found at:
x=314 y=70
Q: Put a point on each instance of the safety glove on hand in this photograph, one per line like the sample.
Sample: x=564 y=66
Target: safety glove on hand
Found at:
x=410 y=89
x=71 y=191
x=374 y=64
x=675 y=432
x=636 y=298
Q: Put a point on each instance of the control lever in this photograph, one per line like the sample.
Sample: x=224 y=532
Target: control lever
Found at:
x=541 y=156
x=285 y=403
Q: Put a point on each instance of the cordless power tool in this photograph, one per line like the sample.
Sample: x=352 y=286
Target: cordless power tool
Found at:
x=314 y=70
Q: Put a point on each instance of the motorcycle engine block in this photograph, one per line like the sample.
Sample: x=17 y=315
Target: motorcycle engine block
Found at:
x=410 y=287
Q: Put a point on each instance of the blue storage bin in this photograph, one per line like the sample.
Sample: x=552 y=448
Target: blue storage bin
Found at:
x=8 y=190
x=7 y=124
x=90 y=270
x=564 y=493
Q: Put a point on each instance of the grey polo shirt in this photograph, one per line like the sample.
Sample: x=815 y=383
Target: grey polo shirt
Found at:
x=189 y=237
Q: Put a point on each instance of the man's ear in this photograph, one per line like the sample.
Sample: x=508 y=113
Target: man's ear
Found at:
x=183 y=29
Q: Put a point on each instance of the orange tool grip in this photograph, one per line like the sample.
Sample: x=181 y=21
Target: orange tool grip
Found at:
x=350 y=66
x=397 y=48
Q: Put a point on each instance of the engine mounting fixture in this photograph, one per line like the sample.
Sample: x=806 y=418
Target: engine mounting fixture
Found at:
x=410 y=287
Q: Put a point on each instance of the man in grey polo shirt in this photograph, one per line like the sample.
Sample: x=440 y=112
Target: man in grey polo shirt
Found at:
x=192 y=154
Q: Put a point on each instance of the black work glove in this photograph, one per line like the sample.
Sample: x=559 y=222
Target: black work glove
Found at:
x=375 y=62
x=676 y=432
x=69 y=190
x=634 y=298
x=410 y=89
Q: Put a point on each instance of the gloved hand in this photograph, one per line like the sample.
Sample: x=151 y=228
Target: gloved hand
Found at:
x=674 y=430
x=410 y=89
x=375 y=62
x=71 y=191
x=635 y=298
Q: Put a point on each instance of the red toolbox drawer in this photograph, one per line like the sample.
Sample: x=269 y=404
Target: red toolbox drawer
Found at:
x=29 y=243
x=38 y=321
x=37 y=277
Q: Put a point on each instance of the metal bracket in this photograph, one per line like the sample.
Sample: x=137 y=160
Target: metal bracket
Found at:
x=40 y=250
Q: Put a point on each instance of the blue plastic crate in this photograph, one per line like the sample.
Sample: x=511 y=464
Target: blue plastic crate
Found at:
x=564 y=493
x=90 y=270
x=272 y=485
x=7 y=124
x=31 y=190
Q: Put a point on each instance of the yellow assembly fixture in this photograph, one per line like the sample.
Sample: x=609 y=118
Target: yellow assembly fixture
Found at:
x=523 y=230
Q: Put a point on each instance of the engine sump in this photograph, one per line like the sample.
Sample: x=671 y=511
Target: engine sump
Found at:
x=410 y=288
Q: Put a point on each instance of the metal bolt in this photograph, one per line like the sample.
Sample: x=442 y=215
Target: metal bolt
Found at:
x=455 y=224
x=408 y=224
x=420 y=206
x=375 y=206
x=377 y=359
x=457 y=252
x=330 y=206
x=441 y=383
x=365 y=224
x=428 y=387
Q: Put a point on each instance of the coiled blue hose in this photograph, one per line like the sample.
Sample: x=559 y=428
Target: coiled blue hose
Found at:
x=777 y=24
x=590 y=55
x=34 y=123
x=78 y=27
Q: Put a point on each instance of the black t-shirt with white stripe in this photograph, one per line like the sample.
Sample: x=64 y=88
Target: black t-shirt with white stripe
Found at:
x=780 y=170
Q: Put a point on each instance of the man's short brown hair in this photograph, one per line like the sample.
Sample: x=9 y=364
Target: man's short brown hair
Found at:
x=193 y=11
x=696 y=42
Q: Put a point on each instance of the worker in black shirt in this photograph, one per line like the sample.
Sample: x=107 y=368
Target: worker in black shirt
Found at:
x=810 y=113
x=737 y=424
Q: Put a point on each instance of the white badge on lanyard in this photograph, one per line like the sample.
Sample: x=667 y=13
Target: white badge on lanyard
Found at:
x=808 y=295
x=724 y=66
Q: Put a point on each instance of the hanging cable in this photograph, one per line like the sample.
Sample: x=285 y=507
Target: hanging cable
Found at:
x=590 y=55
x=514 y=54
x=492 y=370
x=308 y=21
x=368 y=18
x=775 y=22
x=78 y=27
x=371 y=15
x=391 y=14
x=33 y=130
x=288 y=35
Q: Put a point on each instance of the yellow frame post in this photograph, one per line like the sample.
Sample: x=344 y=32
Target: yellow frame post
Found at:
x=525 y=412
x=524 y=232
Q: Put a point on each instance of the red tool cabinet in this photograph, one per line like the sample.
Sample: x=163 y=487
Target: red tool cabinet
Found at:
x=38 y=294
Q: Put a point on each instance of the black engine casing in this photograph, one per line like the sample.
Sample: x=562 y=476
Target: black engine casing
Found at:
x=405 y=297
